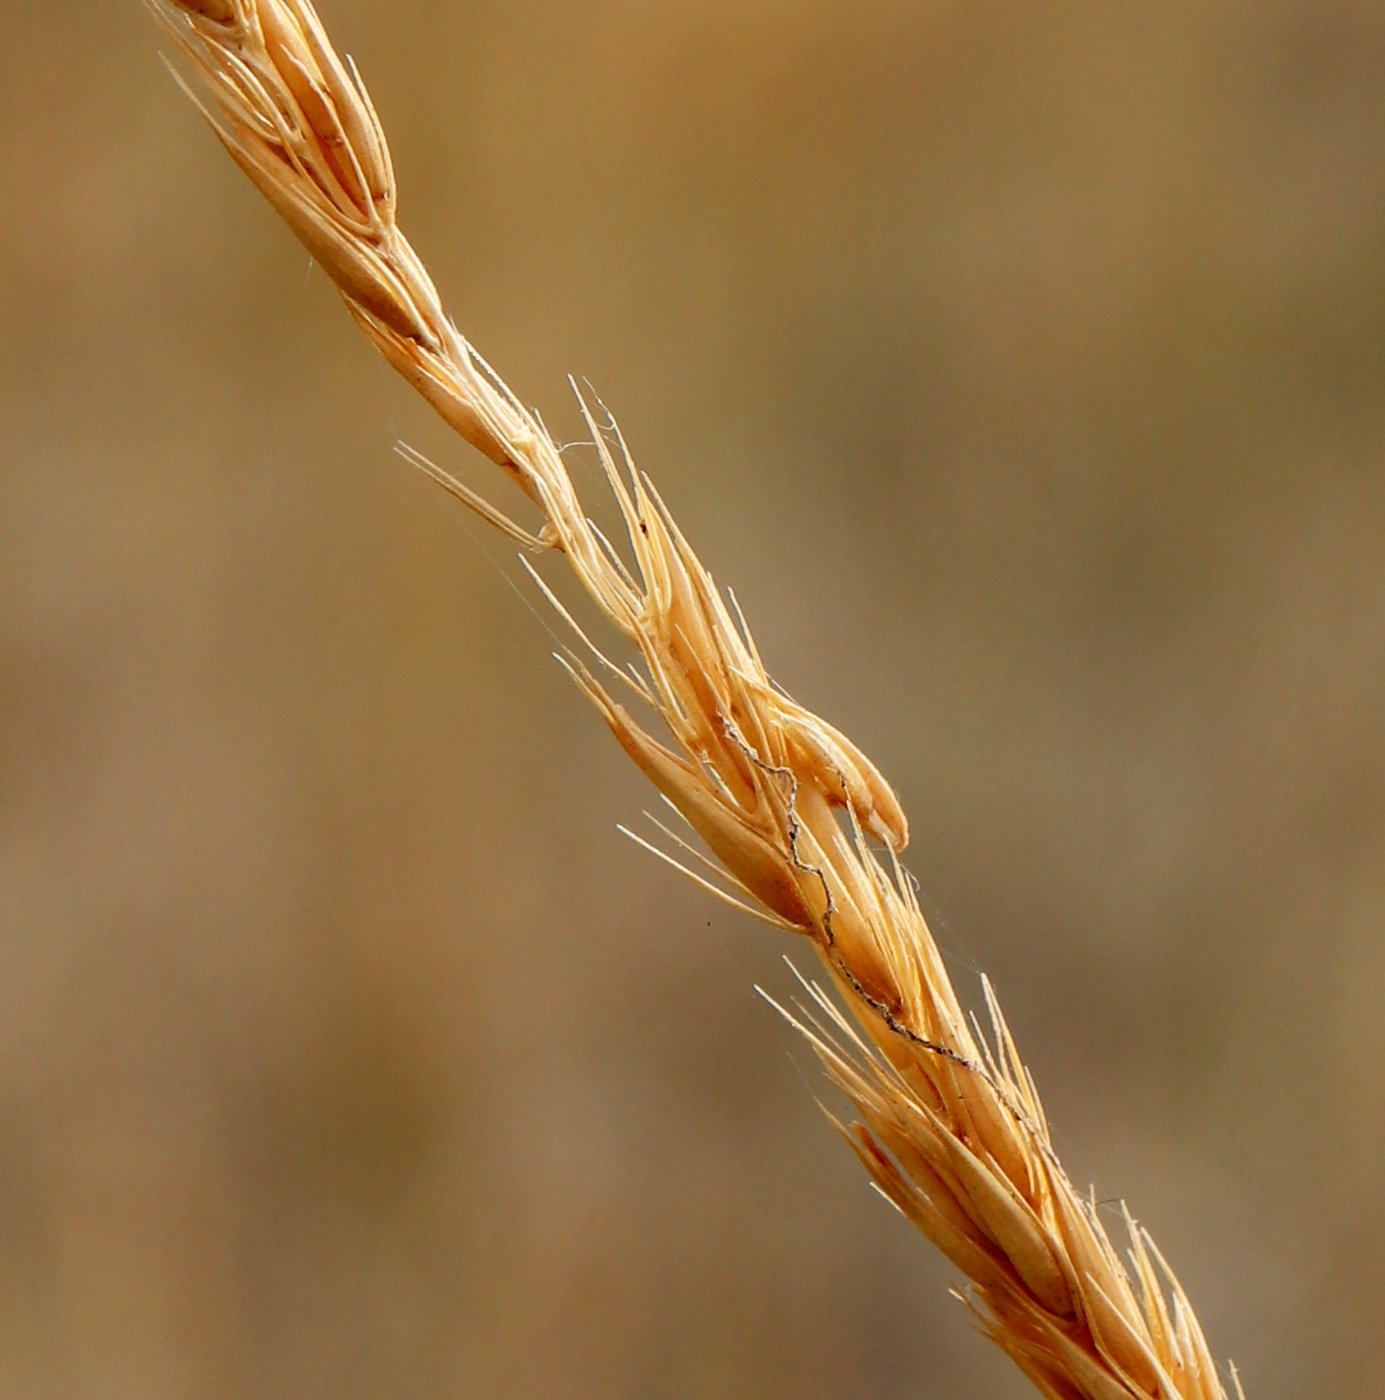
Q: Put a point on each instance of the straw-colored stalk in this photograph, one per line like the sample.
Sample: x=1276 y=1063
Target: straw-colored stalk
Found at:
x=803 y=829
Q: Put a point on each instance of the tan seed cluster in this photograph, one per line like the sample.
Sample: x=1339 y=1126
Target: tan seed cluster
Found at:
x=800 y=824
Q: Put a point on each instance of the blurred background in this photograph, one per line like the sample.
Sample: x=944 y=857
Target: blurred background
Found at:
x=1021 y=367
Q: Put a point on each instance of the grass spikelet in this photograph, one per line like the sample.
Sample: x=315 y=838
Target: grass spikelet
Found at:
x=798 y=820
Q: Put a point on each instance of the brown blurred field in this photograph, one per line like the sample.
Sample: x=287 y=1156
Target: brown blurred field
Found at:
x=1022 y=367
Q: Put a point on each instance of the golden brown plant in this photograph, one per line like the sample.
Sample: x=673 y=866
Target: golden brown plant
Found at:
x=800 y=822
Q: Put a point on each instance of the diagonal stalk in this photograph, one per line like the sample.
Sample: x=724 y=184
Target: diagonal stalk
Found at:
x=802 y=825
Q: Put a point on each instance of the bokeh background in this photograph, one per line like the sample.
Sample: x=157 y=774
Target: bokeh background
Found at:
x=1021 y=366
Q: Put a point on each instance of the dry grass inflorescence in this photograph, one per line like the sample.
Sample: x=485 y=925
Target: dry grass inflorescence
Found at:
x=803 y=830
